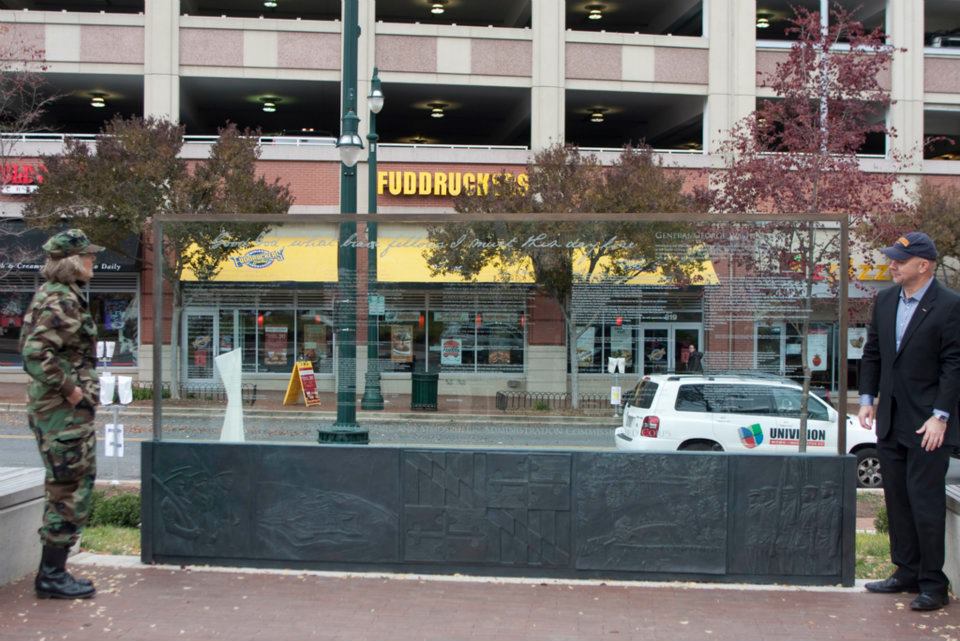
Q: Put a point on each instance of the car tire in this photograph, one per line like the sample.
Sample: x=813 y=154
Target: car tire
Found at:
x=868 y=469
x=700 y=446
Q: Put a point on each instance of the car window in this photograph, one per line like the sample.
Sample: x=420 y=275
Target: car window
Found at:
x=642 y=395
x=691 y=398
x=744 y=399
x=787 y=404
x=817 y=409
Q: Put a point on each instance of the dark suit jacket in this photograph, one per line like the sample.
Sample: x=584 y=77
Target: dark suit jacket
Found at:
x=924 y=374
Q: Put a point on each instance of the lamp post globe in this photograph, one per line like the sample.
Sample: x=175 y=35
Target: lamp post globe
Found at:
x=349 y=144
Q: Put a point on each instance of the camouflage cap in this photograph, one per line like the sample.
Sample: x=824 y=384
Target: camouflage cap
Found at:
x=70 y=243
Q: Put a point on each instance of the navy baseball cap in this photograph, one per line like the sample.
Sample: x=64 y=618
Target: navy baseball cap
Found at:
x=914 y=244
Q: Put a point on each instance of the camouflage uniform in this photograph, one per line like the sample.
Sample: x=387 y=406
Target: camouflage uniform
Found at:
x=58 y=343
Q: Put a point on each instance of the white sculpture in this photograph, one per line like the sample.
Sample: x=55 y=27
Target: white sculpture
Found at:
x=230 y=365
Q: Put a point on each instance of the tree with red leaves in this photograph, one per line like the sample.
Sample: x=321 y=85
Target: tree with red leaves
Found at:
x=23 y=100
x=799 y=153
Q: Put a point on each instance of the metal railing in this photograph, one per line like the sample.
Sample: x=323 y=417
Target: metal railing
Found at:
x=143 y=390
x=551 y=401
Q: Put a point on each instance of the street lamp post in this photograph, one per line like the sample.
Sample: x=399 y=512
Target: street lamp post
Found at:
x=350 y=145
x=372 y=396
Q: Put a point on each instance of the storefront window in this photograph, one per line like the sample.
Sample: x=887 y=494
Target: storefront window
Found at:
x=117 y=318
x=477 y=341
x=402 y=336
x=275 y=333
x=12 y=307
x=315 y=339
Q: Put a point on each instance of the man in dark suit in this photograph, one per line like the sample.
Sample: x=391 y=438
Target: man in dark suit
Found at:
x=912 y=361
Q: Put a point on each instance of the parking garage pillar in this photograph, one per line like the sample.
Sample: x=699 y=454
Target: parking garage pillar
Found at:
x=161 y=60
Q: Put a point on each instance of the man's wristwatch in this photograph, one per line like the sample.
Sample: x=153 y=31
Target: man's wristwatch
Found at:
x=942 y=419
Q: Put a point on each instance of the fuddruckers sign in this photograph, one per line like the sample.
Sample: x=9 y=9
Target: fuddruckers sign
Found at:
x=440 y=183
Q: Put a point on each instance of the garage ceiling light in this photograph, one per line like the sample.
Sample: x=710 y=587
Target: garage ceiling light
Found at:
x=763 y=21
x=270 y=4
x=436 y=109
x=270 y=104
x=438 y=6
x=596 y=11
x=98 y=100
x=596 y=115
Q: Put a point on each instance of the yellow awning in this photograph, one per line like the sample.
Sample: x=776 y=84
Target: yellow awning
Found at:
x=695 y=271
x=291 y=253
x=401 y=259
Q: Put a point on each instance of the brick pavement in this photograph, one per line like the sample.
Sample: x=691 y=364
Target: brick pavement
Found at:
x=167 y=603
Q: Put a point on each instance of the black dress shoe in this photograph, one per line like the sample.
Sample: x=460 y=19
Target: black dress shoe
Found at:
x=930 y=601
x=893 y=585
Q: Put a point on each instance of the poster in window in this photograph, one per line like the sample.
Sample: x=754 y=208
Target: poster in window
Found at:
x=621 y=344
x=11 y=311
x=113 y=311
x=275 y=344
x=817 y=351
x=585 y=346
x=451 y=351
x=314 y=341
x=856 y=338
x=401 y=343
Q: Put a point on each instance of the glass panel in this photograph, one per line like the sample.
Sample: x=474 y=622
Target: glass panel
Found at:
x=491 y=334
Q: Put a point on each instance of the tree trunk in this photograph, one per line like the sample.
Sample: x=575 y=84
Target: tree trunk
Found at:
x=574 y=385
x=175 y=342
x=809 y=272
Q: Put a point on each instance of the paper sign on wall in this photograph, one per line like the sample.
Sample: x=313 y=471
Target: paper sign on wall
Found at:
x=303 y=383
x=856 y=339
x=817 y=351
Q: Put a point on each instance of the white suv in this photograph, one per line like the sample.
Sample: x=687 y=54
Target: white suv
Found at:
x=741 y=414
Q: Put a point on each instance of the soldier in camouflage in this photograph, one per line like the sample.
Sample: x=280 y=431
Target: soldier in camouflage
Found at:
x=58 y=343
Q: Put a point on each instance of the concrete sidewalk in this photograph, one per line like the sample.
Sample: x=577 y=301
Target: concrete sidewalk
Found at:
x=161 y=603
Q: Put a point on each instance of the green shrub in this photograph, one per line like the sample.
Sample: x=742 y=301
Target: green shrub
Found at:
x=146 y=393
x=541 y=406
x=120 y=510
x=881 y=523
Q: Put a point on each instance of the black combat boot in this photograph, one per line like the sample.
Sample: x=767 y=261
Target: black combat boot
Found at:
x=54 y=582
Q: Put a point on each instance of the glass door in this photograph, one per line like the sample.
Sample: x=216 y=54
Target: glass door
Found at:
x=199 y=344
x=685 y=336
x=665 y=347
x=655 y=348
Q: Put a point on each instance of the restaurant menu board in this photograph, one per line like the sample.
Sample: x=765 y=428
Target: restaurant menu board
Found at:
x=817 y=351
x=856 y=338
x=276 y=344
x=303 y=383
x=401 y=343
x=451 y=351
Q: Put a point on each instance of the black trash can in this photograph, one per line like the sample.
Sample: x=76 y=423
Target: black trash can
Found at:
x=423 y=390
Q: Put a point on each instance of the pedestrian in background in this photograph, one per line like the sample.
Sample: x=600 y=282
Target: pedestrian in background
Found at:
x=58 y=344
x=694 y=360
x=912 y=360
